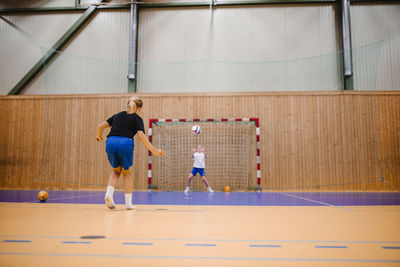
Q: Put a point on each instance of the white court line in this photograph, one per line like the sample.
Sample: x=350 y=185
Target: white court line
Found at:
x=60 y=198
x=315 y=201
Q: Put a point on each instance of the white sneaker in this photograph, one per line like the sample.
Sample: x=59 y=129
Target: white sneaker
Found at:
x=130 y=207
x=109 y=202
x=210 y=190
x=187 y=189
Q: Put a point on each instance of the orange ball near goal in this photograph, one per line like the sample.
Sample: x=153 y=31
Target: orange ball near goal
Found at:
x=43 y=196
x=227 y=188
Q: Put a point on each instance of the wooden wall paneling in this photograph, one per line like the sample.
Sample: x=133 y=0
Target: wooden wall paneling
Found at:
x=309 y=141
x=388 y=133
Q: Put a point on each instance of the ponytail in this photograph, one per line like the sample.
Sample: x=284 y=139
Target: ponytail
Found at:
x=132 y=107
x=133 y=104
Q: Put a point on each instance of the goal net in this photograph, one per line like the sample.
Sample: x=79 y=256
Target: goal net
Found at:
x=231 y=147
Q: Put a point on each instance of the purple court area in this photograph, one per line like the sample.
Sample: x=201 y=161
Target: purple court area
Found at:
x=216 y=198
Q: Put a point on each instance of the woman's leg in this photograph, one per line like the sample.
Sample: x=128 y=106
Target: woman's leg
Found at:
x=114 y=177
x=188 y=182
x=190 y=179
x=128 y=186
x=112 y=182
x=206 y=183
x=128 y=180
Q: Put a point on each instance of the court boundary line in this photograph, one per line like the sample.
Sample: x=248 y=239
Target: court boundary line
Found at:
x=267 y=241
x=198 y=257
x=212 y=240
x=314 y=201
x=69 y=197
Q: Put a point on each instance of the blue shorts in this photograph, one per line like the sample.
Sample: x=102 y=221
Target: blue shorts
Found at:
x=119 y=151
x=198 y=170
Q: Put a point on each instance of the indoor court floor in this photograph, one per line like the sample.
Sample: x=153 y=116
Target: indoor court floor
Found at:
x=74 y=228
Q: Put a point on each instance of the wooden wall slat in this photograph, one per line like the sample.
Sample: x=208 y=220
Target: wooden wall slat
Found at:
x=309 y=141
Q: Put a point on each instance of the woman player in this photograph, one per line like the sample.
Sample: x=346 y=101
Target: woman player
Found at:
x=120 y=145
x=199 y=158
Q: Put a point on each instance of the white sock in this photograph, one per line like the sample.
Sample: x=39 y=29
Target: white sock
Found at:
x=109 y=197
x=110 y=191
x=128 y=201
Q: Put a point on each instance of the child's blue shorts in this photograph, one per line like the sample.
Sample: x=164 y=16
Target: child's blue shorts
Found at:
x=119 y=151
x=198 y=170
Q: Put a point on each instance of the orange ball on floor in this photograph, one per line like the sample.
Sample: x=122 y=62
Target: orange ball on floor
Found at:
x=43 y=196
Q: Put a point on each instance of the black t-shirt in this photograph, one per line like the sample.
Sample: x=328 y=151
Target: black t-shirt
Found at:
x=124 y=124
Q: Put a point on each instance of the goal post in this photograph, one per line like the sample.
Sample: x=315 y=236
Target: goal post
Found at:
x=232 y=146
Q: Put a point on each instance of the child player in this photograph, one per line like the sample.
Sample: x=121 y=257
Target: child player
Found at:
x=120 y=145
x=199 y=158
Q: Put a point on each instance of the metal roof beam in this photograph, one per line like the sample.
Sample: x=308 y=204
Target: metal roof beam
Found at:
x=6 y=11
x=53 y=51
x=165 y=4
x=182 y=4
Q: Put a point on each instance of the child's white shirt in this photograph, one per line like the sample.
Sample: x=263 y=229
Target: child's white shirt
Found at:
x=199 y=160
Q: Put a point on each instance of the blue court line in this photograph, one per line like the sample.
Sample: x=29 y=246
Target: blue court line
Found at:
x=138 y=244
x=199 y=258
x=38 y=236
x=76 y=242
x=265 y=246
x=213 y=240
x=16 y=253
x=330 y=246
x=17 y=241
x=200 y=245
x=391 y=247
x=266 y=241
